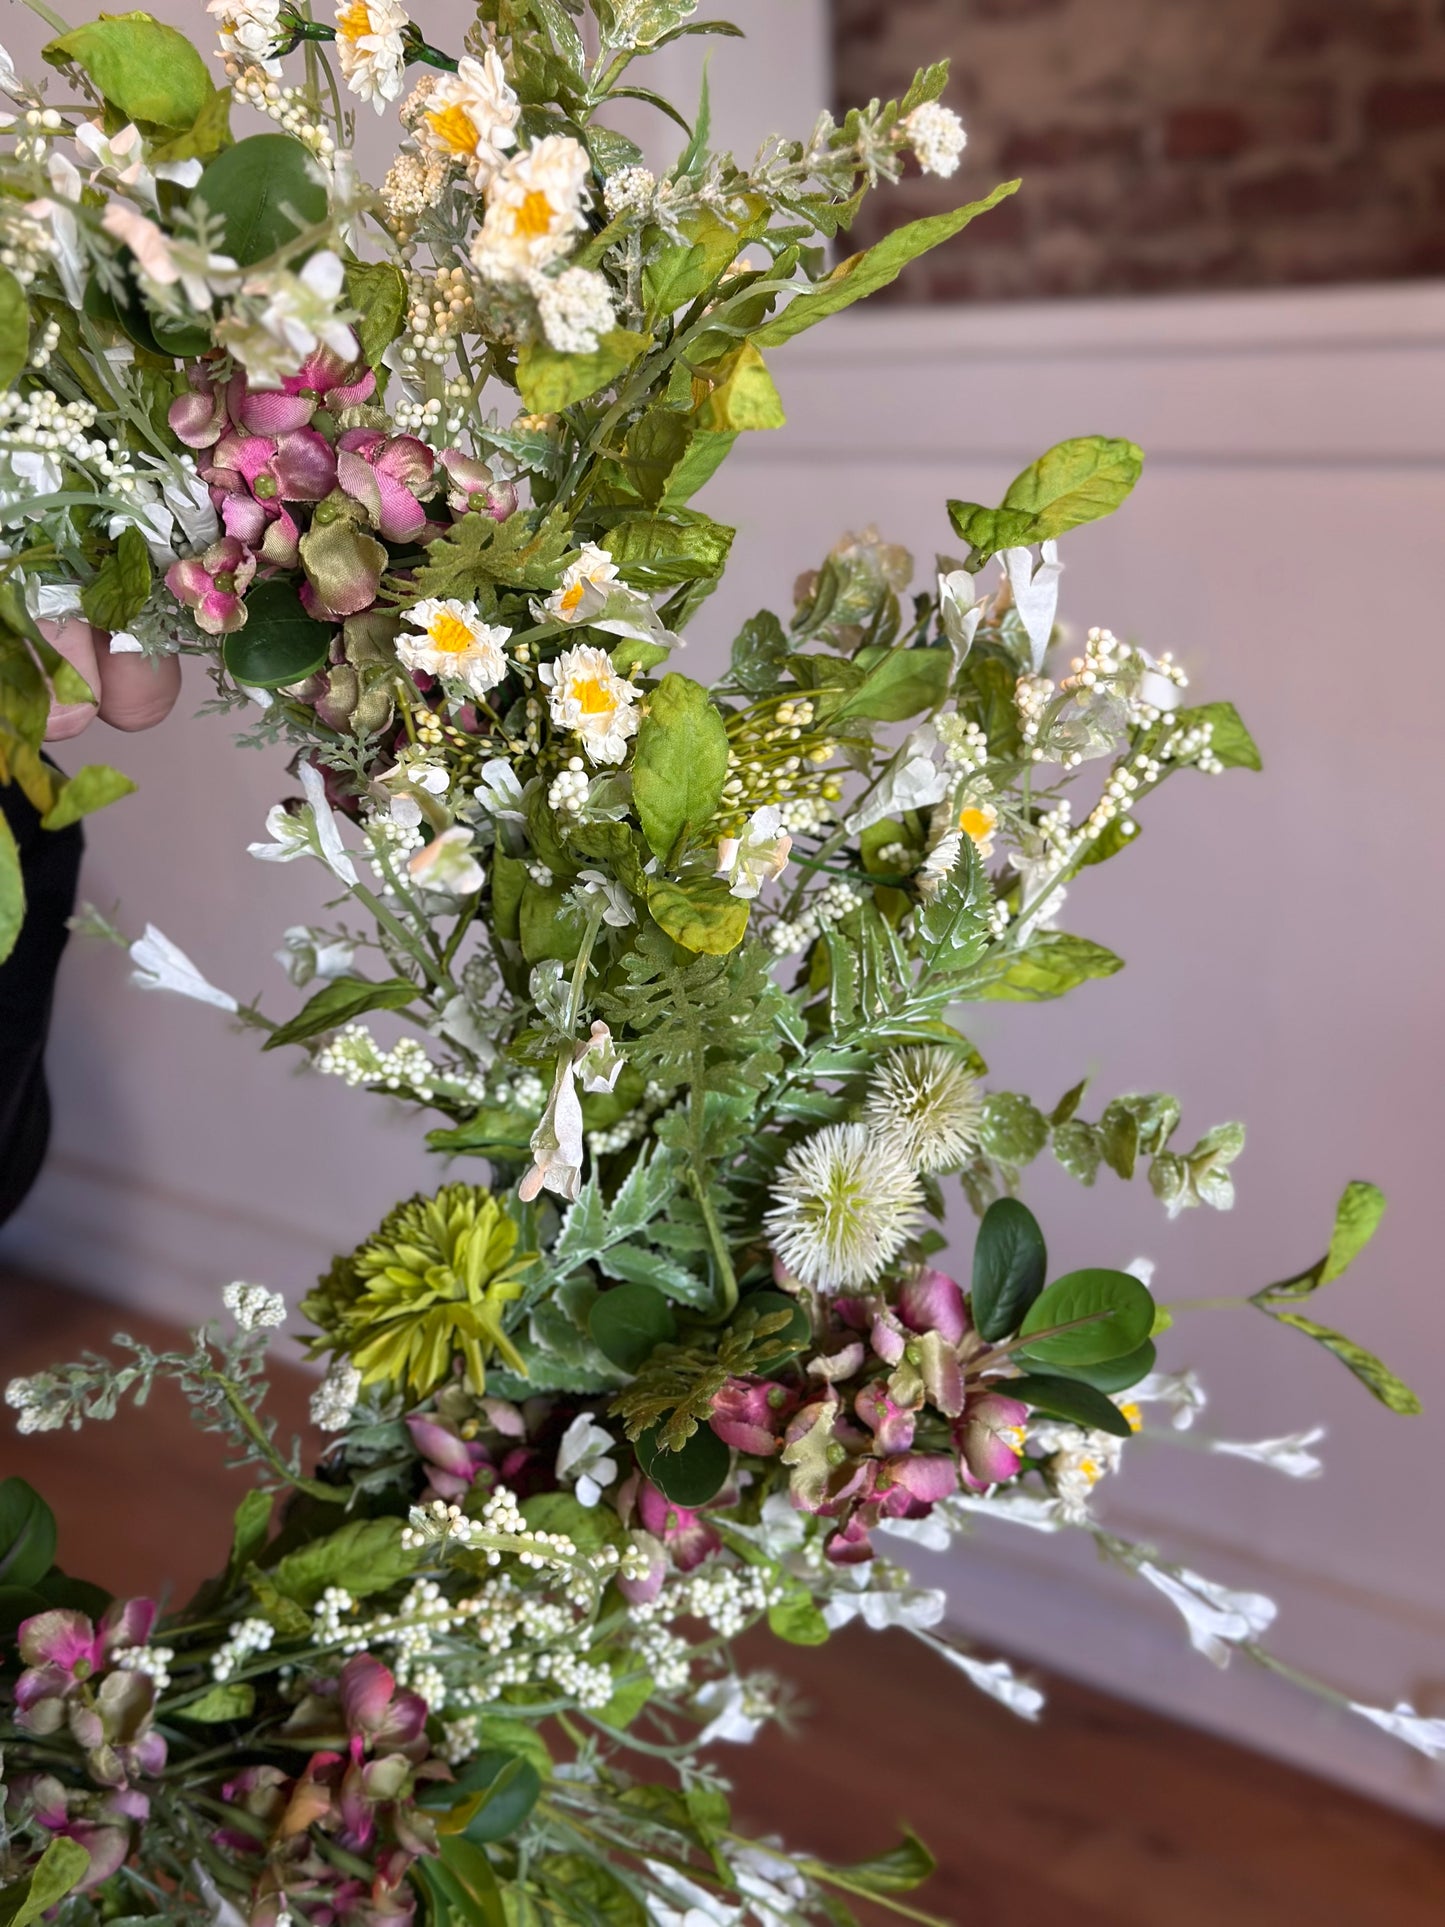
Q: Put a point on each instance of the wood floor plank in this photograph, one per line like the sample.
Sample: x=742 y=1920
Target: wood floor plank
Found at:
x=1102 y=1815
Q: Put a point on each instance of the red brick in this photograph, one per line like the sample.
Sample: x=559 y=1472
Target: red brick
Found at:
x=1066 y=145
x=1205 y=134
x=1293 y=194
x=1405 y=106
x=1317 y=26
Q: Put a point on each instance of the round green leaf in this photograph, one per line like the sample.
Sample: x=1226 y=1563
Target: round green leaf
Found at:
x=628 y=1322
x=27 y=1534
x=145 y=69
x=510 y=1787
x=280 y=643
x=793 y=1336
x=1118 y=1374
x=690 y=1477
x=1010 y=1263
x=253 y=184
x=1069 y=1398
x=1087 y=1317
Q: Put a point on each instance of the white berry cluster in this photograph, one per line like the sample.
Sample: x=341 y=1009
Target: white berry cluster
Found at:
x=154 y=1661
x=354 y=1056
x=830 y=906
x=567 y=794
x=243 y=1638
x=253 y=1307
x=39 y=1403
x=292 y=109
x=334 y=1399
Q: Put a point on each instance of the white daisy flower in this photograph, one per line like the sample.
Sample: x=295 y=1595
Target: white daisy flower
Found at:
x=936 y=135
x=370 y=49
x=925 y=1100
x=250 y=30
x=471 y=116
x=575 y=310
x=756 y=857
x=455 y=644
x=591 y=699
x=844 y=1206
x=534 y=208
x=582 y=591
x=978 y=821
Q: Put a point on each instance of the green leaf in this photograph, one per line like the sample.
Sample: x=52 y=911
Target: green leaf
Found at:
x=639 y=1266
x=1375 y=1376
x=266 y=190
x=1118 y=1374
x=119 y=590
x=680 y=766
x=27 y=1533
x=205 y=137
x=953 y=927
x=897 y=1872
x=14 y=328
x=699 y=913
x=691 y=1476
x=550 y=380
x=231 y=1700
x=91 y=788
x=1013 y=1128
x=1230 y=741
x=59 y=1870
x=791 y=1339
x=377 y=290
x=629 y=1697
x=658 y=551
x=148 y=72
x=629 y=1322
x=280 y=643
x=797 y=1620
x=655 y=445
x=469 y=1874
x=1075 y=482
x=864 y=274
x=364 y=1557
x=1010 y=1263
x=249 y=1529
x=702 y=461
x=1070 y=1399
x=680 y=273
x=1051 y=964
x=550 y=926
x=900 y=683
x=743 y=395
x=1087 y=1317
x=340 y=1002
x=12 y=891
x=510 y=1787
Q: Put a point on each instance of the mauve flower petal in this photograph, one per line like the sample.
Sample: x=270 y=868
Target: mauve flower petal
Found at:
x=196 y=419
x=402 y=517
x=280 y=545
x=248 y=455
x=60 y=1638
x=304 y=466
x=440 y=1446
x=220 y=613
x=889 y=1342
x=927 y=1477
x=243 y=517
x=271 y=411
x=128 y=1622
x=891 y=1426
x=932 y=1301
x=407 y=461
x=365 y=1688
x=850 y=1545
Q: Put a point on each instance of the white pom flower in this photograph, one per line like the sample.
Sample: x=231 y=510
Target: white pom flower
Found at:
x=471 y=116
x=370 y=49
x=575 y=310
x=844 y=1206
x=335 y=1397
x=455 y=644
x=253 y=1307
x=589 y=698
x=925 y=1101
x=936 y=135
x=534 y=209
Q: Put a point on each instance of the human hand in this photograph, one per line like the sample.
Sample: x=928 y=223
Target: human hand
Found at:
x=133 y=692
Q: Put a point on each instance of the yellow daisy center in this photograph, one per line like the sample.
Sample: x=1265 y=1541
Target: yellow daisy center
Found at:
x=532 y=217
x=975 y=823
x=454 y=128
x=592 y=696
x=1133 y=1415
x=571 y=597
x=1091 y=1470
x=449 y=634
x=354 y=22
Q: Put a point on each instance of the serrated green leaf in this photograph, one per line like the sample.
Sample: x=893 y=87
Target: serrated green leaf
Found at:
x=550 y=380
x=120 y=588
x=899 y=683
x=680 y=766
x=377 y=291
x=797 y=1620
x=1051 y=964
x=149 y=72
x=743 y=395
x=14 y=328
x=1076 y=481
x=897 y=1872
x=230 y=1700
x=364 y=1557
x=1229 y=740
x=953 y=927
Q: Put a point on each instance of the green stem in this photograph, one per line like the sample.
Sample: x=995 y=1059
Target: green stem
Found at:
x=256 y=1433
x=397 y=929
x=1204 y=1304
x=726 y=1275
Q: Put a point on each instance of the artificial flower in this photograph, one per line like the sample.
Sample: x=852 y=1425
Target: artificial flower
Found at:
x=166 y=262
x=448 y=864
x=250 y=30
x=594 y=887
x=371 y=49
x=1290 y=1455
x=589 y=698
x=843 y=1207
x=1217 y=1617
x=291 y=317
x=575 y=309
x=1035 y=587
x=584 y=1459
x=1402 y=1722
x=925 y=1099
x=454 y=644
x=758 y=856
x=471 y=116
x=309 y=831
x=582 y=592
x=307 y=956
x=161 y=965
x=978 y=821
x=388 y=475
x=213 y=585
x=535 y=208
x=936 y=135
x=557 y=1141
x=597 y=1059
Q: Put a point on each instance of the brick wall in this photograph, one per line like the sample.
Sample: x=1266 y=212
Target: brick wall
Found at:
x=1169 y=144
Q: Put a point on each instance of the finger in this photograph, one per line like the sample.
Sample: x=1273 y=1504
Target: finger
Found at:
x=75 y=640
x=137 y=692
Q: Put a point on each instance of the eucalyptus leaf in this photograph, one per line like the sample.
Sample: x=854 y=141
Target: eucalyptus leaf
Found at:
x=1087 y=1317
x=280 y=643
x=265 y=190
x=629 y=1322
x=691 y=1476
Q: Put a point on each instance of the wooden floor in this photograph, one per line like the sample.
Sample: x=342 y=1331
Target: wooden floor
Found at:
x=1101 y=1816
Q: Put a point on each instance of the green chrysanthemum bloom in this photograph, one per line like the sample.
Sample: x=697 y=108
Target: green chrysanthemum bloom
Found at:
x=430 y=1286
